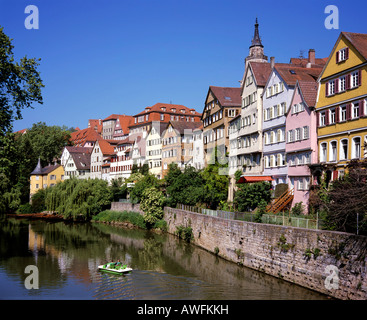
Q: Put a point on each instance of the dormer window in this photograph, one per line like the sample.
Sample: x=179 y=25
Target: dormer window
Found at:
x=342 y=55
x=163 y=108
x=182 y=110
x=173 y=110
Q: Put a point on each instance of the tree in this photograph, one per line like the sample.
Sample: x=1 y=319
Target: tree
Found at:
x=250 y=195
x=184 y=187
x=152 y=202
x=20 y=86
x=215 y=180
x=346 y=200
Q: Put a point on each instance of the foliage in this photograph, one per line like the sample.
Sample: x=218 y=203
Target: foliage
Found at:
x=298 y=209
x=261 y=210
x=134 y=218
x=280 y=188
x=144 y=182
x=346 y=199
x=38 y=201
x=215 y=188
x=78 y=199
x=118 y=189
x=183 y=187
x=250 y=195
x=238 y=174
x=184 y=233
x=152 y=202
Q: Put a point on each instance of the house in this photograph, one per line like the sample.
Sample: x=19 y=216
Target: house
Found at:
x=341 y=108
x=177 y=144
x=301 y=139
x=121 y=162
x=121 y=129
x=154 y=148
x=222 y=104
x=198 y=148
x=85 y=137
x=70 y=149
x=102 y=150
x=78 y=164
x=278 y=93
x=43 y=177
x=96 y=124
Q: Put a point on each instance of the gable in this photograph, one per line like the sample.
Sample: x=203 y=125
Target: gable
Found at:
x=354 y=58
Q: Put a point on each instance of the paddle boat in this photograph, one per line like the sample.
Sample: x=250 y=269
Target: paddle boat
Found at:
x=115 y=267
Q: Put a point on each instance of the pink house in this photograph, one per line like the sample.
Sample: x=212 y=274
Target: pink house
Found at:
x=301 y=139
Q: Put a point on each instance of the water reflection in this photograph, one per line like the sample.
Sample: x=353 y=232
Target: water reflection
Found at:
x=67 y=256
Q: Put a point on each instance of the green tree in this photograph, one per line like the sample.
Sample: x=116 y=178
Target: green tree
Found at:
x=20 y=87
x=152 y=202
x=250 y=195
x=145 y=182
x=215 y=177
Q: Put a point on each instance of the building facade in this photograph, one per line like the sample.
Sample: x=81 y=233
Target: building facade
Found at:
x=342 y=106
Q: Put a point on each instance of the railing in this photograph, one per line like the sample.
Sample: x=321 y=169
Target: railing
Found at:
x=281 y=202
x=250 y=217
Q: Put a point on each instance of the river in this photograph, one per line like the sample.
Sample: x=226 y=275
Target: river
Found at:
x=67 y=255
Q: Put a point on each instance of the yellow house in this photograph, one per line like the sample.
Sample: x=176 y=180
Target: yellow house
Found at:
x=45 y=177
x=342 y=105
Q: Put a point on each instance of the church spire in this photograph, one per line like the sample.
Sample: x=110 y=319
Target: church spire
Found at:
x=256 y=40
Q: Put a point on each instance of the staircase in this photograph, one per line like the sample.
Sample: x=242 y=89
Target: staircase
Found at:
x=280 y=203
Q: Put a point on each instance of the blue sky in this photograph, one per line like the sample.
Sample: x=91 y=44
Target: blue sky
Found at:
x=119 y=56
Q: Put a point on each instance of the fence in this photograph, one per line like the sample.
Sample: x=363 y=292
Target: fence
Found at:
x=250 y=217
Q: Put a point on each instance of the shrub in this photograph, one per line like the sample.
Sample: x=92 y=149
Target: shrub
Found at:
x=184 y=233
x=152 y=202
x=134 y=218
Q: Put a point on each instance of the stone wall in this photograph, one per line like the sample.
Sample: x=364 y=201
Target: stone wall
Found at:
x=122 y=206
x=333 y=263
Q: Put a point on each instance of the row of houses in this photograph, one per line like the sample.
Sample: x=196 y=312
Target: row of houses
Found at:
x=286 y=123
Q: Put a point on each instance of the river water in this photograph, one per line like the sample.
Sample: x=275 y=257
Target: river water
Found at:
x=67 y=255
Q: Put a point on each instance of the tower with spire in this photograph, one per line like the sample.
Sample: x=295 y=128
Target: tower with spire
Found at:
x=256 y=49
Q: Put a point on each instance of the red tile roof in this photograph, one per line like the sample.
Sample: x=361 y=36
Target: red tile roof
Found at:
x=359 y=41
x=96 y=124
x=261 y=72
x=79 y=138
x=309 y=91
x=227 y=96
x=290 y=73
x=106 y=147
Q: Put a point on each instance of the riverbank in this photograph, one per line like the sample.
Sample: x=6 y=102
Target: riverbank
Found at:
x=333 y=263
x=42 y=215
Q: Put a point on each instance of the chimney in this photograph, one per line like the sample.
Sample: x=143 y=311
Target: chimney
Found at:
x=272 y=62
x=311 y=56
x=99 y=121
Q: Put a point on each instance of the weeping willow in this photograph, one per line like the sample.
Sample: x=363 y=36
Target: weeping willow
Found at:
x=75 y=198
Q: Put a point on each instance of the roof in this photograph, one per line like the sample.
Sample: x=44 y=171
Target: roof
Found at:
x=261 y=72
x=169 y=108
x=81 y=160
x=302 y=62
x=79 y=149
x=125 y=141
x=359 y=41
x=308 y=91
x=291 y=74
x=123 y=122
x=106 y=147
x=46 y=170
x=79 y=138
x=95 y=124
x=227 y=96
x=249 y=179
x=185 y=127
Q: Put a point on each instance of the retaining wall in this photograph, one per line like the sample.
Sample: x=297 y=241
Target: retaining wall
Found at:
x=126 y=206
x=333 y=263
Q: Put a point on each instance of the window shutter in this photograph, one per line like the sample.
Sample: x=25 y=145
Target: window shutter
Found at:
x=335 y=174
x=346 y=53
x=361 y=108
x=326 y=117
x=349 y=105
x=336 y=85
x=226 y=113
x=327 y=89
x=359 y=77
x=337 y=57
x=347 y=81
x=337 y=111
x=317 y=119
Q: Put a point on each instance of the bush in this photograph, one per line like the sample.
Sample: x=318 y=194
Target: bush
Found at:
x=134 y=218
x=152 y=202
x=25 y=208
x=184 y=233
x=298 y=209
x=250 y=195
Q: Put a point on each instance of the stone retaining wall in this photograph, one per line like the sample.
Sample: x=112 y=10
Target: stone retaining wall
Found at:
x=333 y=263
x=124 y=206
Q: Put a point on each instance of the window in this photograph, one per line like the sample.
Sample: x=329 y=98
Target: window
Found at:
x=342 y=55
x=354 y=79
x=307 y=158
x=162 y=117
x=290 y=135
x=332 y=116
x=322 y=118
x=331 y=87
x=306 y=132
x=344 y=149
x=332 y=156
x=356 y=151
x=355 y=110
x=266 y=162
x=343 y=113
x=292 y=161
x=323 y=150
x=231 y=113
x=341 y=84
x=53 y=177
x=298 y=134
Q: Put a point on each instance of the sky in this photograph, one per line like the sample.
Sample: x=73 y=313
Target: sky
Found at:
x=120 y=56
